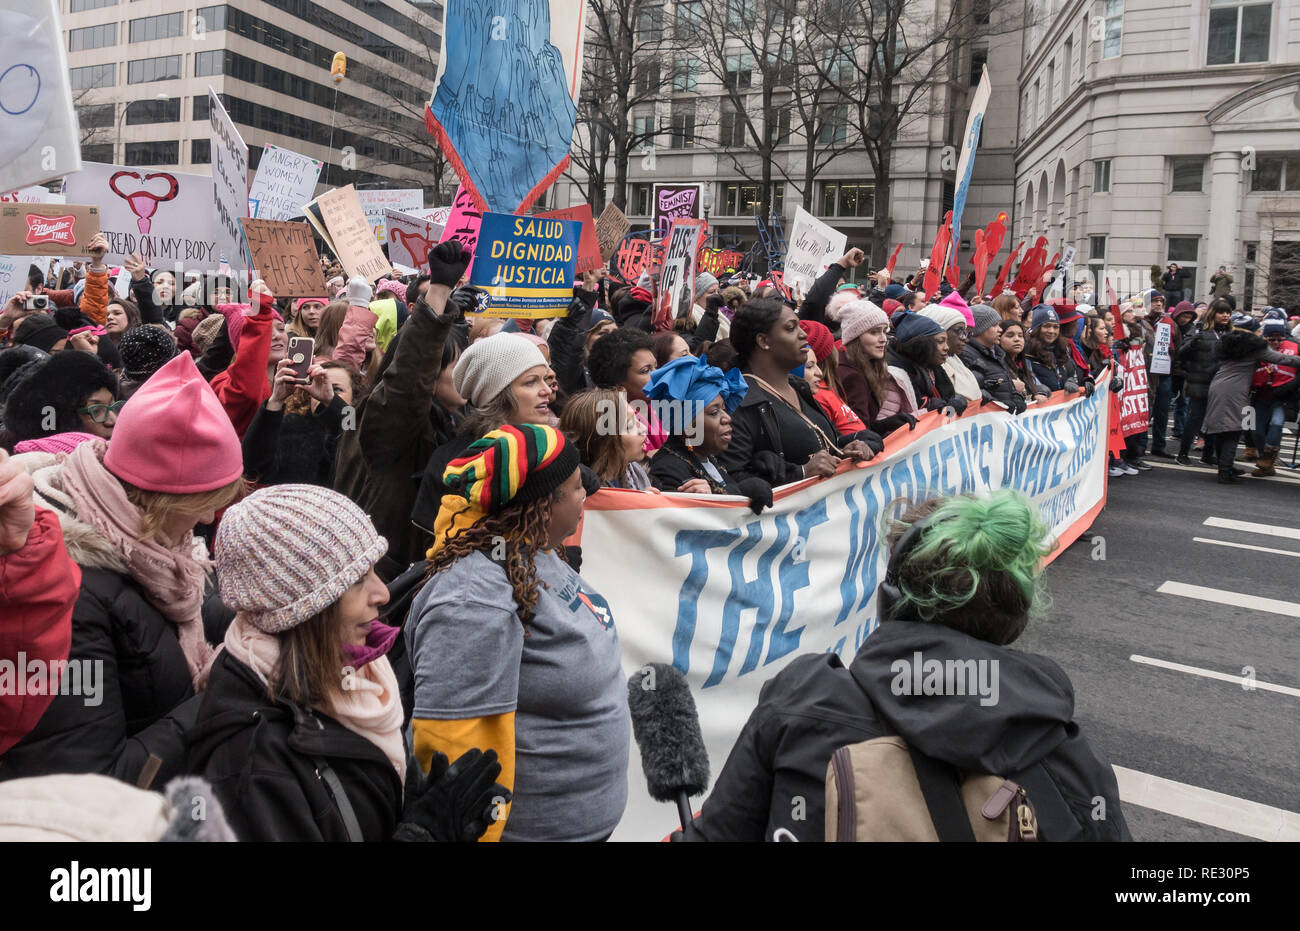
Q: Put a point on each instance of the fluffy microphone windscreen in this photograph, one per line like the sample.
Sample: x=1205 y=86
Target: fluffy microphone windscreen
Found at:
x=667 y=730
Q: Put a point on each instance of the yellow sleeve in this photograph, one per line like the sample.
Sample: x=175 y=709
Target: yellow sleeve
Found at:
x=453 y=738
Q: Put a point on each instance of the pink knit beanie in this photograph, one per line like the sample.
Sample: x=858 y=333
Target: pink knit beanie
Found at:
x=859 y=317
x=58 y=443
x=954 y=300
x=174 y=436
x=288 y=552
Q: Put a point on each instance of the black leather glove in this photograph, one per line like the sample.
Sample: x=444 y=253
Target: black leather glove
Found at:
x=769 y=467
x=957 y=403
x=712 y=303
x=447 y=262
x=1018 y=405
x=889 y=424
x=465 y=300
x=1070 y=386
x=590 y=480
x=936 y=404
x=1117 y=384
x=757 y=491
x=459 y=802
x=584 y=297
x=1089 y=386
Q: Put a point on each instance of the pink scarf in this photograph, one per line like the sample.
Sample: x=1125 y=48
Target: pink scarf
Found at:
x=171 y=577
x=370 y=704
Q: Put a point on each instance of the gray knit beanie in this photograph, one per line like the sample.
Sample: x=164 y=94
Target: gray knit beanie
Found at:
x=288 y=552
x=985 y=317
x=488 y=367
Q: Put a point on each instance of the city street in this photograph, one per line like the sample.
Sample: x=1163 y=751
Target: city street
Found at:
x=1196 y=584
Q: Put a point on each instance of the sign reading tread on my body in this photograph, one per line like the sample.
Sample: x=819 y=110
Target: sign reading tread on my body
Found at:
x=730 y=597
x=525 y=264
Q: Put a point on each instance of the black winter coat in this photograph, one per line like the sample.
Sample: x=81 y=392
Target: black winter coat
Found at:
x=280 y=448
x=672 y=469
x=146 y=698
x=815 y=706
x=264 y=759
x=994 y=375
x=1199 y=357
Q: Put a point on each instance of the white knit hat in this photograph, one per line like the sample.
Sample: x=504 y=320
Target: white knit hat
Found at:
x=288 y=552
x=858 y=317
x=944 y=316
x=488 y=367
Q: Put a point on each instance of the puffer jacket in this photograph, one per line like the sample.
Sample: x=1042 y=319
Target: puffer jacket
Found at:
x=995 y=377
x=1199 y=358
x=265 y=758
x=146 y=698
x=815 y=706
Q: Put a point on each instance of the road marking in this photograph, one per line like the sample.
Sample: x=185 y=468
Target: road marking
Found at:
x=1270 y=530
x=1245 y=546
x=1212 y=674
x=1236 y=599
x=1210 y=470
x=1205 y=806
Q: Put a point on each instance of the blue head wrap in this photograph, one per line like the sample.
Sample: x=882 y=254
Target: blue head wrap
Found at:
x=693 y=383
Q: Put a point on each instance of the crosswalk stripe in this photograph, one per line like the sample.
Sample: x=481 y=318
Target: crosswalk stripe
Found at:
x=1205 y=806
x=1209 y=471
x=1236 y=599
x=1270 y=530
x=1245 y=546
x=1212 y=674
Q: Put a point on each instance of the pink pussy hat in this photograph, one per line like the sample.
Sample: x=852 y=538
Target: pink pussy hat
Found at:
x=174 y=436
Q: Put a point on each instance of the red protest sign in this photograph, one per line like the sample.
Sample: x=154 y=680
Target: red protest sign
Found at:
x=1135 y=409
x=588 y=246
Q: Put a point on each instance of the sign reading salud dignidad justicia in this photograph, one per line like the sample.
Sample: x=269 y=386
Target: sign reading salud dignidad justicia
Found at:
x=526 y=264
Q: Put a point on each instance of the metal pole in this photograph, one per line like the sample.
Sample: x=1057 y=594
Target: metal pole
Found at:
x=333 y=115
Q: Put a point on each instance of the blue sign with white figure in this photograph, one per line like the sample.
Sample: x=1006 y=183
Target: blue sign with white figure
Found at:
x=503 y=105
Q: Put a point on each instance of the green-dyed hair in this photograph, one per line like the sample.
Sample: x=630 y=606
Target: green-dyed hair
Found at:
x=978 y=565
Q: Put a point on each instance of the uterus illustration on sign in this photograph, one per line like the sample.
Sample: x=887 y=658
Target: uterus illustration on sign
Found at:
x=144 y=201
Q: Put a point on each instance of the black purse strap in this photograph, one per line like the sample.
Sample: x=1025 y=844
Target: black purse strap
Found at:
x=335 y=787
x=939 y=785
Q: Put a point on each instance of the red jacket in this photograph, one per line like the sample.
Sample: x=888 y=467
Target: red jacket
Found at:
x=39 y=585
x=243 y=386
x=837 y=411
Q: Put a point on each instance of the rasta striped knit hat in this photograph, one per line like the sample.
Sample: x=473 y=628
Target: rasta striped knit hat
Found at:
x=511 y=465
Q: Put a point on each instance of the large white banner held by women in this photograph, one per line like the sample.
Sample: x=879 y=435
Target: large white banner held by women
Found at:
x=729 y=597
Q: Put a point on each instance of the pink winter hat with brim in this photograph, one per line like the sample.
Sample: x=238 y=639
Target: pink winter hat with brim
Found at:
x=58 y=443
x=954 y=300
x=174 y=436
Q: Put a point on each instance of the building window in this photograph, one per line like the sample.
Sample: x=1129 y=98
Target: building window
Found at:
x=733 y=128
x=979 y=57
x=1101 y=176
x=1185 y=251
x=166 y=26
x=152 y=153
x=1188 y=175
x=1067 y=66
x=206 y=63
x=96 y=117
x=144 y=70
x=214 y=17
x=1113 y=30
x=79 y=40
x=90 y=76
x=200 y=151
x=689 y=16
x=650 y=24
x=153 y=111
x=1239 y=32
x=780 y=133
x=683 y=129
x=739 y=199
x=201 y=106
x=833 y=124
x=741 y=14
x=740 y=71
x=1276 y=173
x=685 y=75
x=848 y=199
x=639 y=202
x=647 y=78
x=81 y=6
x=100 y=152
x=982 y=9
x=643 y=131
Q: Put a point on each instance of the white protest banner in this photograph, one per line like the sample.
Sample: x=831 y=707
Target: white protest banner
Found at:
x=40 y=139
x=812 y=247
x=374 y=203
x=1161 y=363
x=730 y=598
x=165 y=216
x=284 y=182
x=677 y=279
x=13 y=273
x=229 y=181
x=32 y=195
x=410 y=238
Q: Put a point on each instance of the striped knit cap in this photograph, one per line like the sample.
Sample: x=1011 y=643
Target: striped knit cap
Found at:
x=288 y=552
x=513 y=464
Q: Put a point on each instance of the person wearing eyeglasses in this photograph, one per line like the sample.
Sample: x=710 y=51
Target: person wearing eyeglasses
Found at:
x=71 y=391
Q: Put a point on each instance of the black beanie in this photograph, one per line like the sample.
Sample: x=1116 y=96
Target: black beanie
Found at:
x=144 y=350
x=11 y=362
x=63 y=384
x=39 y=330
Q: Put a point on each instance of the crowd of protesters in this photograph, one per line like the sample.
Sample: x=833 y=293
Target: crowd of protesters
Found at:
x=227 y=526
